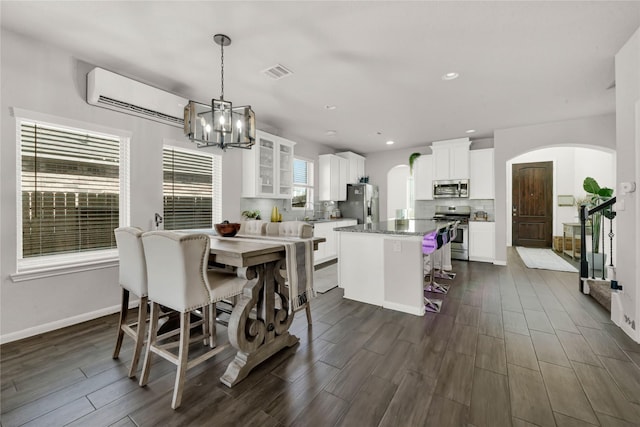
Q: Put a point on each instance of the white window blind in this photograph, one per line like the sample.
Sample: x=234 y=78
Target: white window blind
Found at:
x=70 y=185
x=302 y=183
x=192 y=185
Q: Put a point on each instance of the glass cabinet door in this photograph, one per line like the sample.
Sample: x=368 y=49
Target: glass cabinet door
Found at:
x=266 y=166
x=285 y=169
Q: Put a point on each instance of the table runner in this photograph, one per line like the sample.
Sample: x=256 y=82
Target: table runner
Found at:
x=299 y=264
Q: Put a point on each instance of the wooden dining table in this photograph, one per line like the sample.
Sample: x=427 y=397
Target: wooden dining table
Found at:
x=256 y=337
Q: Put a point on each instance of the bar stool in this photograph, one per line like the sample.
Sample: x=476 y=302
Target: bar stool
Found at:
x=132 y=278
x=430 y=244
x=178 y=278
x=442 y=237
x=441 y=273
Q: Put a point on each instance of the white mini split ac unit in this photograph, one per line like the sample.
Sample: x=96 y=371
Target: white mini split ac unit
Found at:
x=113 y=91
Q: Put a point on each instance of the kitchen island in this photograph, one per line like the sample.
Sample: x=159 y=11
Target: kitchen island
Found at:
x=381 y=263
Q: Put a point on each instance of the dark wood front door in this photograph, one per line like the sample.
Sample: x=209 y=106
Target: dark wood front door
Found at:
x=532 y=204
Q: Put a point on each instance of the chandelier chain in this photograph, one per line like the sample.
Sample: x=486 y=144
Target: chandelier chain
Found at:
x=222 y=70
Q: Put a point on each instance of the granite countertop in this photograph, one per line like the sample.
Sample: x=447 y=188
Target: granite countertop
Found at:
x=409 y=227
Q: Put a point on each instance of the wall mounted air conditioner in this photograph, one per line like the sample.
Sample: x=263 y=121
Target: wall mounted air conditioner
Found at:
x=113 y=91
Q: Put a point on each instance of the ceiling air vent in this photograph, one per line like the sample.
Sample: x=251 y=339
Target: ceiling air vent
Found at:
x=277 y=72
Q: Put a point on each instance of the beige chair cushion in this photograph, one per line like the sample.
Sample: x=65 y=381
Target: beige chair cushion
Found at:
x=254 y=227
x=133 y=270
x=290 y=229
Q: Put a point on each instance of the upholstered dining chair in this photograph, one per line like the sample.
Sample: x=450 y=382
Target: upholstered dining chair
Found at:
x=178 y=278
x=133 y=279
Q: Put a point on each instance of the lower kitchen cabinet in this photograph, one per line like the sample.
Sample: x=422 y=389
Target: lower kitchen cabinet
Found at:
x=482 y=241
x=328 y=250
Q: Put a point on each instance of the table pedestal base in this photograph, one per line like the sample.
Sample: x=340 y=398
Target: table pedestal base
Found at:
x=243 y=363
x=258 y=327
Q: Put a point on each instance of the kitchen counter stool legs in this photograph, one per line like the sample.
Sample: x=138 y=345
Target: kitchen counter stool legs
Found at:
x=442 y=239
x=441 y=273
x=429 y=246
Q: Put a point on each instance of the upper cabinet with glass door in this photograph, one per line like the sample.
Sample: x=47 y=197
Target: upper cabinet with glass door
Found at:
x=267 y=169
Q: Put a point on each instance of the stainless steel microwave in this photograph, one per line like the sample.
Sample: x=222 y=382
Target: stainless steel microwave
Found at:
x=454 y=188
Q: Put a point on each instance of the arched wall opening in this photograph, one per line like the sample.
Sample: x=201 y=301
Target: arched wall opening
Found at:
x=571 y=165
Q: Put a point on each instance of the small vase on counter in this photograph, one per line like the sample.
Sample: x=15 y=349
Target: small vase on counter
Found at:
x=275 y=215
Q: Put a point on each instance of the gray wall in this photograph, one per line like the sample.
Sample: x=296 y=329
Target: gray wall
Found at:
x=627 y=303
x=43 y=79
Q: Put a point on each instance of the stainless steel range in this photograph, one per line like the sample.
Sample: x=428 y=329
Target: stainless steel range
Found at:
x=459 y=245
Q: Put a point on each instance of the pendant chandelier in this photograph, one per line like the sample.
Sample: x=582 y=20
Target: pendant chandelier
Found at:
x=220 y=124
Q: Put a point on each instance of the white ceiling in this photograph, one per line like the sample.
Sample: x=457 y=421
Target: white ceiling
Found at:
x=380 y=63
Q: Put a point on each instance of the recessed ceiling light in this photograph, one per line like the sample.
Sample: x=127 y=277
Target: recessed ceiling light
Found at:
x=329 y=107
x=331 y=132
x=470 y=131
x=450 y=76
x=390 y=142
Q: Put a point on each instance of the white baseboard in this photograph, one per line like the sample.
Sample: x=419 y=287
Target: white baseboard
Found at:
x=62 y=323
x=499 y=262
x=404 y=308
x=617 y=317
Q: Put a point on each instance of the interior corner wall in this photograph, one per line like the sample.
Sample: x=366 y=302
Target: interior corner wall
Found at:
x=625 y=310
x=378 y=165
x=51 y=81
x=597 y=131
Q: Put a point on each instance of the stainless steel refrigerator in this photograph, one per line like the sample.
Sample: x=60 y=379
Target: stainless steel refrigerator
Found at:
x=361 y=203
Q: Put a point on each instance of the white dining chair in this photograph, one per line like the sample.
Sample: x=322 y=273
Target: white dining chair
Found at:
x=178 y=279
x=133 y=279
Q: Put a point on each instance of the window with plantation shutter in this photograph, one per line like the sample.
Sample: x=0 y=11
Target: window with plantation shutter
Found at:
x=191 y=189
x=71 y=189
x=302 y=183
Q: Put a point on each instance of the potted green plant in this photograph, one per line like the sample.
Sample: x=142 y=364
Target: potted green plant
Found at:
x=412 y=159
x=251 y=214
x=595 y=196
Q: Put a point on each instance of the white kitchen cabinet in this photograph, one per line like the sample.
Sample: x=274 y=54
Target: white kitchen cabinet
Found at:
x=423 y=178
x=332 y=178
x=482 y=241
x=267 y=169
x=328 y=250
x=481 y=174
x=451 y=159
x=355 y=166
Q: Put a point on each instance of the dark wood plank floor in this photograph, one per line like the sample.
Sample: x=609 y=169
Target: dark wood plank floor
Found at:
x=512 y=346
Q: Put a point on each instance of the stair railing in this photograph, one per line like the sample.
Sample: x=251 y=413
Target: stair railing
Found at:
x=595 y=216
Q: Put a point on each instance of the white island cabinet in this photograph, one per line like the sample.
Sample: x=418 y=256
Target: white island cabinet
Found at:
x=381 y=264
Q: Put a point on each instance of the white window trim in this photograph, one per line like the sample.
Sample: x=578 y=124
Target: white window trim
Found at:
x=310 y=186
x=55 y=265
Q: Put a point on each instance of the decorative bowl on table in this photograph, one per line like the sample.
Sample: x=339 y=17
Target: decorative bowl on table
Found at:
x=227 y=229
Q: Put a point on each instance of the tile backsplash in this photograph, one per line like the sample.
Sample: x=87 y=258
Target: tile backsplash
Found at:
x=284 y=206
x=425 y=209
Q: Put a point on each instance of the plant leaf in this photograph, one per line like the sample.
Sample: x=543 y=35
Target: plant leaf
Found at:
x=590 y=185
x=412 y=159
x=605 y=192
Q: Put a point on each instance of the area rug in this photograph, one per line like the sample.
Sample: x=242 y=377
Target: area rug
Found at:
x=544 y=259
